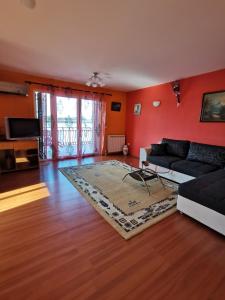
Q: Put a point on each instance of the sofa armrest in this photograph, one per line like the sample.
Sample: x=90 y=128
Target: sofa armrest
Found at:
x=144 y=152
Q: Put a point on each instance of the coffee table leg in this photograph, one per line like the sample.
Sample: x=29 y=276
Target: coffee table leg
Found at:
x=161 y=181
x=144 y=183
x=141 y=180
x=147 y=188
x=125 y=176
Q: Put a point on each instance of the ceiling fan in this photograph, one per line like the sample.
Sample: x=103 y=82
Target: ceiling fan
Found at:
x=97 y=79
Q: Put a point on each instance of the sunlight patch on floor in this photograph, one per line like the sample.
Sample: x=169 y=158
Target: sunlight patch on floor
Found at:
x=21 y=160
x=22 y=196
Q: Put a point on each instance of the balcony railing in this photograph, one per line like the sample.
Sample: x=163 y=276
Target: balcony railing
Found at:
x=69 y=135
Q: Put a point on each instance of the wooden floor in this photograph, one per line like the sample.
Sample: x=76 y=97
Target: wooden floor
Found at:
x=59 y=247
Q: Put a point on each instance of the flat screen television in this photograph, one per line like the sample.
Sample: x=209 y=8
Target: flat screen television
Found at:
x=22 y=128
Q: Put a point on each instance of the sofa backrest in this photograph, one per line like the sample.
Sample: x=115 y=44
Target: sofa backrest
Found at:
x=176 y=147
x=210 y=154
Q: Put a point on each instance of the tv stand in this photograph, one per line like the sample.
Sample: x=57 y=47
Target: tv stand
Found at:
x=18 y=155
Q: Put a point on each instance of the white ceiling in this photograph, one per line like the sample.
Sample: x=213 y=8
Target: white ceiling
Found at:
x=139 y=42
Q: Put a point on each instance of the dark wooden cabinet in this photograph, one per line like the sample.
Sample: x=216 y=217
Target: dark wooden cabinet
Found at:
x=18 y=155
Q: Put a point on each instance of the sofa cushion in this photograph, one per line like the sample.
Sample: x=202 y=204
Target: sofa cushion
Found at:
x=163 y=161
x=209 y=154
x=158 y=149
x=207 y=190
x=176 y=147
x=193 y=168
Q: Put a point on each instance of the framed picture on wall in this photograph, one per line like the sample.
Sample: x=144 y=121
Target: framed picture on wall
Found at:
x=116 y=106
x=137 y=109
x=213 y=107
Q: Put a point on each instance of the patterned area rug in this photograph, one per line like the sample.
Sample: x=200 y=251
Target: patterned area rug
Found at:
x=126 y=205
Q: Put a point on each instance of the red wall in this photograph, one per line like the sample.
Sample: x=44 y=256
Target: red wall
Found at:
x=171 y=121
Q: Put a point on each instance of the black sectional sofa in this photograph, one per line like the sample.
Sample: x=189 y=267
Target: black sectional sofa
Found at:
x=200 y=170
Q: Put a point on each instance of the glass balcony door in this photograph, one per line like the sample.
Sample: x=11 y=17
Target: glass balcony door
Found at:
x=67 y=126
x=87 y=118
x=43 y=113
x=75 y=127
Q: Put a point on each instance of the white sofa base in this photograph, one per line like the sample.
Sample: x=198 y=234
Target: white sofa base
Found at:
x=203 y=214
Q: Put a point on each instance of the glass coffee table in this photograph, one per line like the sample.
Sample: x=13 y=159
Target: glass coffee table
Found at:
x=145 y=175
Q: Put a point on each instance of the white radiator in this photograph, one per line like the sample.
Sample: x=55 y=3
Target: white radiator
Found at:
x=115 y=143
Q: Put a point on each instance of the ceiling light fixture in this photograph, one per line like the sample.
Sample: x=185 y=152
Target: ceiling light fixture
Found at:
x=29 y=3
x=95 y=80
